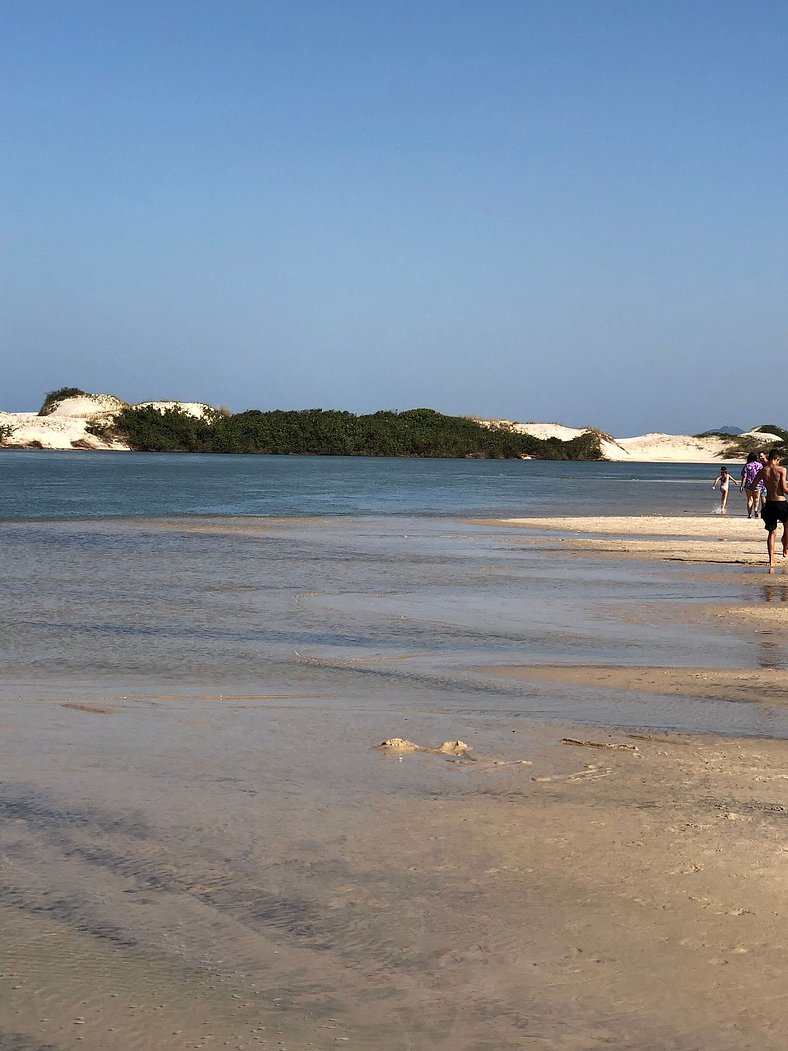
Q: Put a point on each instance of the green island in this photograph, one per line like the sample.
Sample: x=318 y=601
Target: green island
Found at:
x=329 y=432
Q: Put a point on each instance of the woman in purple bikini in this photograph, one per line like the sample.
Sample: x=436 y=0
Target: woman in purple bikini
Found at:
x=748 y=473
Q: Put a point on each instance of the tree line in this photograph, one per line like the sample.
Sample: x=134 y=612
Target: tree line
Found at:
x=329 y=432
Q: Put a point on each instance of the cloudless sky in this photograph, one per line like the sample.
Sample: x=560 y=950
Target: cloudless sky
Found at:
x=570 y=210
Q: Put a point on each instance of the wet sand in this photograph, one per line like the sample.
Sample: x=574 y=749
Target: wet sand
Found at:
x=228 y=867
x=597 y=896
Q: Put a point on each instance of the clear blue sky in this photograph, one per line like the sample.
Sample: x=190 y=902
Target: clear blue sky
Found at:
x=538 y=209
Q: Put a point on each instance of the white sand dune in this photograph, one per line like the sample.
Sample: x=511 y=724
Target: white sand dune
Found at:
x=66 y=426
x=668 y=448
x=86 y=406
x=644 y=448
x=550 y=430
x=31 y=431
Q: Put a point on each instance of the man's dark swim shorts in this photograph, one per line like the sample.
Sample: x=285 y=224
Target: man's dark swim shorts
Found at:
x=774 y=511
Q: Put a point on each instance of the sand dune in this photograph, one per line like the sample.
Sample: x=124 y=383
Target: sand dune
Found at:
x=66 y=427
x=655 y=447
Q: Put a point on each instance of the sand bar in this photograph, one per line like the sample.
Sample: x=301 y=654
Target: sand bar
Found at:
x=707 y=538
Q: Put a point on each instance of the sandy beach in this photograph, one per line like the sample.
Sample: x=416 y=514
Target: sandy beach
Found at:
x=227 y=865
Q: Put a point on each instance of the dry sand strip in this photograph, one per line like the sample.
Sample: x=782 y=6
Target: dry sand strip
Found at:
x=759 y=620
x=710 y=539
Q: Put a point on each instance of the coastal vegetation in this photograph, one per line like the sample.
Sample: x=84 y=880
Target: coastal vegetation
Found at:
x=324 y=432
x=740 y=445
x=772 y=428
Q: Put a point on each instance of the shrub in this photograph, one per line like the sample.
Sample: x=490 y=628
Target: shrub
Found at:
x=772 y=428
x=319 y=432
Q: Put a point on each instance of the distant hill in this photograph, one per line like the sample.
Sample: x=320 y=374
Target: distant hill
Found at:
x=727 y=429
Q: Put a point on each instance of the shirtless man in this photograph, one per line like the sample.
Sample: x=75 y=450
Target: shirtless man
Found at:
x=776 y=507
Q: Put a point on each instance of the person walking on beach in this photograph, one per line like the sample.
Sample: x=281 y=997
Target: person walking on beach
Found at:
x=760 y=486
x=748 y=473
x=724 y=480
x=776 y=507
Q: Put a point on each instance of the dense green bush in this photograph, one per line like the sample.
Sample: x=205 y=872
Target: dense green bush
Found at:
x=319 y=432
x=54 y=396
x=772 y=428
x=743 y=444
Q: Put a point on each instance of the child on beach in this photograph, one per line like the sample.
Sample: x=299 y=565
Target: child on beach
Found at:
x=724 y=481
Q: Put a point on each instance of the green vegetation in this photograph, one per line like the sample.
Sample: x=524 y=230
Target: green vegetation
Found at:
x=318 y=432
x=51 y=400
x=740 y=445
x=6 y=430
x=772 y=428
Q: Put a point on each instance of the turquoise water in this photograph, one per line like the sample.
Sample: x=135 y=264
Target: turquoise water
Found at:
x=56 y=485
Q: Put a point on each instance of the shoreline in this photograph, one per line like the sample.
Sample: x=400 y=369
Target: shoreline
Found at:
x=709 y=539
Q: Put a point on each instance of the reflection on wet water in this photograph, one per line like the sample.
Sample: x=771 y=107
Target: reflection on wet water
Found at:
x=774 y=592
x=771 y=654
x=200 y=846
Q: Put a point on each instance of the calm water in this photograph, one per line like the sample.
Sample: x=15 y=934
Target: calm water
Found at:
x=44 y=485
x=351 y=580
x=199 y=846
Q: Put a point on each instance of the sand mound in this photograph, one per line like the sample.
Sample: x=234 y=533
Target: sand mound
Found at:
x=668 y=448
x=399 y=744
x=86 y=406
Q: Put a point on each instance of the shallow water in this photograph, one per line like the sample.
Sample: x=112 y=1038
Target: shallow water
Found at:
x=201 y=847
x=44 y=485
x=369 y=612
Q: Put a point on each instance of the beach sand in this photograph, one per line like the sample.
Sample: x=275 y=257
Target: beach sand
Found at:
x=705 y=539
x=618 y=890
x=622 y=890
x=190 y=869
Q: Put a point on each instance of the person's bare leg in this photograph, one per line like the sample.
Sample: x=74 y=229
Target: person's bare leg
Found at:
x=723 y=500
x=785 y=539
x=770 y=546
